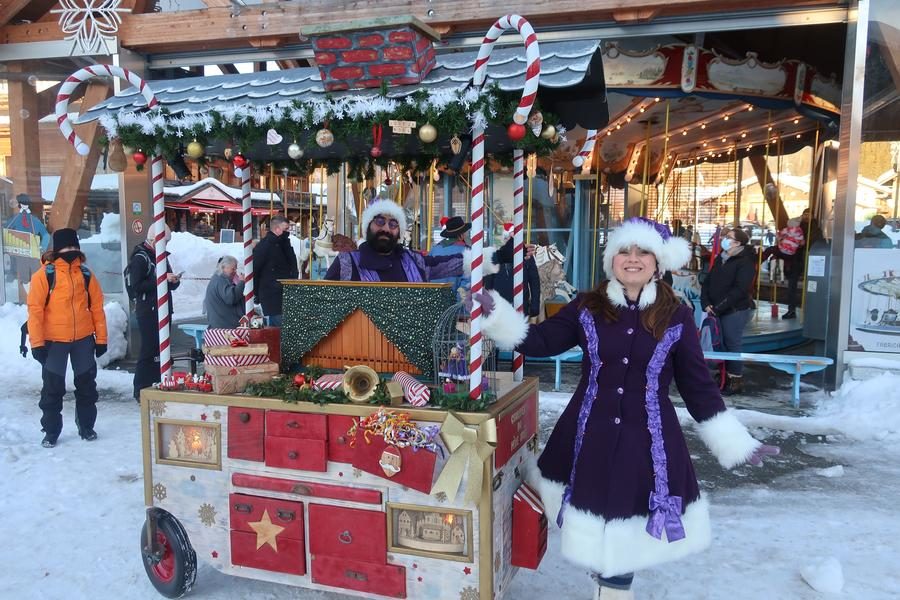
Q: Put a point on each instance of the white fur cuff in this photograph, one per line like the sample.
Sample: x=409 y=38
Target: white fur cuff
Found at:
x=488 y=266
x=505 y=325
x=727 y=439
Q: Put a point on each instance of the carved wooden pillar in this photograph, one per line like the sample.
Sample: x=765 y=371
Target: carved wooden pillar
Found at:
x=25 y=162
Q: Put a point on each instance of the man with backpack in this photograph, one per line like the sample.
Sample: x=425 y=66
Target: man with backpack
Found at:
x=140 y=282
x=66 y=322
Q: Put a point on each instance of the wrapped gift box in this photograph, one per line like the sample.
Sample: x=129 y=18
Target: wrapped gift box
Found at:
x=416 y=466
x=235 y=379
x=224 y=337
x=271 y=337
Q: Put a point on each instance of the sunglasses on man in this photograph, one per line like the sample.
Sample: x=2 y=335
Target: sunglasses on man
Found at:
x=381 y=221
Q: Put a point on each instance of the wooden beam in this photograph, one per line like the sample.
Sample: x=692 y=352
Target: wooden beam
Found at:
x=764 y=177
x=215 y=3
x=10 y=9
x=228 y=69
x=78 y=174
x=25 y=161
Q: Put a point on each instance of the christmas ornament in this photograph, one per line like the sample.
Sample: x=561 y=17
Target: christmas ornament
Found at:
x=139 y=158
x=195 y=149
x=376 y=141
x=388 y=181
x=228 y=153
x=90 y=25
x=273 y=138
x=390 y=461
x=515 y=131
x=536 y=121
x=427 y=133
x=240 y=161
x=299 y=380
x=239 y=173
x=116 y=159
x=295 y=151
x=549 y=132
x=324 y=137
x=455 y=144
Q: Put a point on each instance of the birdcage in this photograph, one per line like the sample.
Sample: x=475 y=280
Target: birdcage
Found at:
x=451 y=353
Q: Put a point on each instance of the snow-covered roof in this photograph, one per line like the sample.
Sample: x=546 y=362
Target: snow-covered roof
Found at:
x=234 y=193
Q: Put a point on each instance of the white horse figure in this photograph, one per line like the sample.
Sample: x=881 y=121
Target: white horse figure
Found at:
x=323 y=252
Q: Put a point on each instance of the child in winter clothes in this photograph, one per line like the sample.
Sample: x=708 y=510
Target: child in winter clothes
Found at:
x=616 y=473
x=66 y=323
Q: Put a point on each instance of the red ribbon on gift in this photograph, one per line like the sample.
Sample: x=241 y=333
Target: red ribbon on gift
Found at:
x=238 y=342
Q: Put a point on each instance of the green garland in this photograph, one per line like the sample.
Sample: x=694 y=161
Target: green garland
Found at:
x=283 y=387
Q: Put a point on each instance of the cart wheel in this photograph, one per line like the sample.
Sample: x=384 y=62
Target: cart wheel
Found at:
x=174 y=573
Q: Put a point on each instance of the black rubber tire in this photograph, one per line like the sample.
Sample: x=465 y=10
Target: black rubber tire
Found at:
x=174 y=575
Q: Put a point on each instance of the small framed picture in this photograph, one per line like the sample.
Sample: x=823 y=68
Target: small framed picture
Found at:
x=430 y=531
x=189 y=444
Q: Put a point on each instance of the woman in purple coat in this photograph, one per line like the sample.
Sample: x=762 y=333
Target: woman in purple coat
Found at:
x=616 y=473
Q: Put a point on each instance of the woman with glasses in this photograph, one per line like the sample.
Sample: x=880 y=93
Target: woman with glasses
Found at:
x=727 y=294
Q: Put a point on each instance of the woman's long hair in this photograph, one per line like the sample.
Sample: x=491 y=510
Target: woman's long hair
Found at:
x=655 y=318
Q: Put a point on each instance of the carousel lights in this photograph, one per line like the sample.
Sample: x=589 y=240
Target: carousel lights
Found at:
x=796 y=121
x=726 y=117
x=702 y=125
x=743 y=134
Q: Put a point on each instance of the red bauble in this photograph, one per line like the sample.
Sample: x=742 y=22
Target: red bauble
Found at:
x=299 y=380
x=139 y=158
x=375 y=151
x=240 y=161
x=515 y=132
x=388 y=181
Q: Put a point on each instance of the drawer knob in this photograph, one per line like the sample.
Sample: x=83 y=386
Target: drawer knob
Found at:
x=345 y=537
x=243 y=508
x=293 y=424
x=293 y=455
x=357 y=575
x=244 y=417
x=301 y=490
x=285 y=515
x=341 y=440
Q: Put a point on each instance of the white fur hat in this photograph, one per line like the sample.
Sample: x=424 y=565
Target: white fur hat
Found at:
x=671 y=253
x=386 y=208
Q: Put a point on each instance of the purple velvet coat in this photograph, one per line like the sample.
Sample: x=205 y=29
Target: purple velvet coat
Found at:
x=401 y=265
x=630 y=499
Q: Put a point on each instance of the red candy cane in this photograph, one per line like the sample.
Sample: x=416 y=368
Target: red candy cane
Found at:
x=247 y=236
x=156 y=174
x=518 y=249
x=587 y=148
x=529 y=93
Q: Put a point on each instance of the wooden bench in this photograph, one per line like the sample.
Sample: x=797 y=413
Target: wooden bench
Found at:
x=787 y=363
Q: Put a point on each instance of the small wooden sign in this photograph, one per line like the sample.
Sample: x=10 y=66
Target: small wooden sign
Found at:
x=404 y=127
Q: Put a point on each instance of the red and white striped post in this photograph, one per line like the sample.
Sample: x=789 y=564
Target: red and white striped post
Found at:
x=587 y=148
x=529 y=93
x=518 y=249
x=247 y=236
x=156 y=174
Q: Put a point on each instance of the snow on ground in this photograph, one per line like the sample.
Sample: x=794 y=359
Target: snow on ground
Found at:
x=72 y=514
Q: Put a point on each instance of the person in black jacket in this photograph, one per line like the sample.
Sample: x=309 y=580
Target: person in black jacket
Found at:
x=142 y=267
x=502 y=281
x=273 y=259
x=727 y=294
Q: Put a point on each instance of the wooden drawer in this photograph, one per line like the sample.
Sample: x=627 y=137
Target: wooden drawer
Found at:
x=348 y=533
x=306 y=488
x=382 y=579
x=292 y=453
x=339 y=449
x=245 y=509
x=295 y=425
x=246 y=427
x=288 y=558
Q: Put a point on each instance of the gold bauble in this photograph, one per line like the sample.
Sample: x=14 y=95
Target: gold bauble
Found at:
x=116 y=160
x=549 y=132
x=195 y=149
x=455 y=144
x=228 y=153
x=427 y=133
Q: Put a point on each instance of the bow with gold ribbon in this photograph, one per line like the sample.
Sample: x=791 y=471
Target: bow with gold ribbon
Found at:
x=469 y=447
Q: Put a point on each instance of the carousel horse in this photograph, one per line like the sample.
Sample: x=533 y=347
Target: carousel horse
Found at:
x=325 y=248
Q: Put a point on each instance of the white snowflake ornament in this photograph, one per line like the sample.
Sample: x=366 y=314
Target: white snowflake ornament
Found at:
x=90 y=24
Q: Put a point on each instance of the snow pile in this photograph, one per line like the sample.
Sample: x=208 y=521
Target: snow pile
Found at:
x=825 y=576
x=110 y=232
x=116 y=323
x=835 y=471
x=865 y=410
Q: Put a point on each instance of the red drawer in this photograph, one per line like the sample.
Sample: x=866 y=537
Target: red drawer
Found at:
x=245 y=433
x=288 y=558
x=246 y=509
x=417 y=468
x=348 y=533
x=292 y=453
x=306 y=488
x=295 y=425
x=339 y=449
x=385 y=580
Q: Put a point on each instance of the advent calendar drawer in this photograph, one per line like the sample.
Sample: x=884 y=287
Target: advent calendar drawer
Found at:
x=386 y=580
x=348 y=533
x=296 y=425
x=245 y=509
x=291 y=453
x=246 y=427
x=286 y=557
x=339 y=449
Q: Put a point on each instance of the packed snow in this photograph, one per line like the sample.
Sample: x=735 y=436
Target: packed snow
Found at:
x=72 y=514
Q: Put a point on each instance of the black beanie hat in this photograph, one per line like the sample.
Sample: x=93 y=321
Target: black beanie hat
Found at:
x=23 y=199
x=63 y=238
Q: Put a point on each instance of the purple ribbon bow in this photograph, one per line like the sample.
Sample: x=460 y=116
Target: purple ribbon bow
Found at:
x=665 y=513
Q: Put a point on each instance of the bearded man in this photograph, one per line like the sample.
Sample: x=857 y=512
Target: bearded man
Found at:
x=382 y=257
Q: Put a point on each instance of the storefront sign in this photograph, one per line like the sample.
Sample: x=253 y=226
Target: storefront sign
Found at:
x=874 y=320
x=137 y=226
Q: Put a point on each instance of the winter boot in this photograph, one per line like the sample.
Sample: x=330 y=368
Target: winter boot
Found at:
x=733 y=385
x=601 y=592
x=88 y=435
x=49 y=440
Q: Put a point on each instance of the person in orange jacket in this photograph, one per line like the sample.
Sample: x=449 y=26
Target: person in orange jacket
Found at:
x=66 y=322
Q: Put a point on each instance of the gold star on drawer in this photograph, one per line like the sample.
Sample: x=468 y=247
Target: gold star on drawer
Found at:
x=266 y=531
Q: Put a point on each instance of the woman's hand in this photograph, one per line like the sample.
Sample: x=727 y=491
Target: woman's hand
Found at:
x=172 y=278
x=756 y=459
x=710 y=310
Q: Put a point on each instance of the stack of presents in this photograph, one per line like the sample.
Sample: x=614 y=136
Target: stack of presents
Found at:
x=235 y=358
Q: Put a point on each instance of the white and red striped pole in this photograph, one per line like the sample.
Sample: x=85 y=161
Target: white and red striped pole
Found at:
x=156 y=174
x=518 y=249
x=247 y=236
x=587 y=148
x=529 y=93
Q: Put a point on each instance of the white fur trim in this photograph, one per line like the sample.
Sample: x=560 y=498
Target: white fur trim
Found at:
x=727 y=439
x=488 y=266
x=622 y=545
x=670 y=255
x=387 y=208
x=505 y=325
x=615 y=291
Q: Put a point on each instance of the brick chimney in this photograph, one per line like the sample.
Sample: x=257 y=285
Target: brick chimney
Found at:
x=365 y=53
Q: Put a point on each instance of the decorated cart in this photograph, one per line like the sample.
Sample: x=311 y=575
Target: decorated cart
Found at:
x=391 y=462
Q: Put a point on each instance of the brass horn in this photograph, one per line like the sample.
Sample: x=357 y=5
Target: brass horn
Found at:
x=360 y=383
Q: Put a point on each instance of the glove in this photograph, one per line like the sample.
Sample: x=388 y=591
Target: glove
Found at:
x=99 y=350
x=40 y=354
x=756 y=459
x=23 y=350
x=484 y=299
